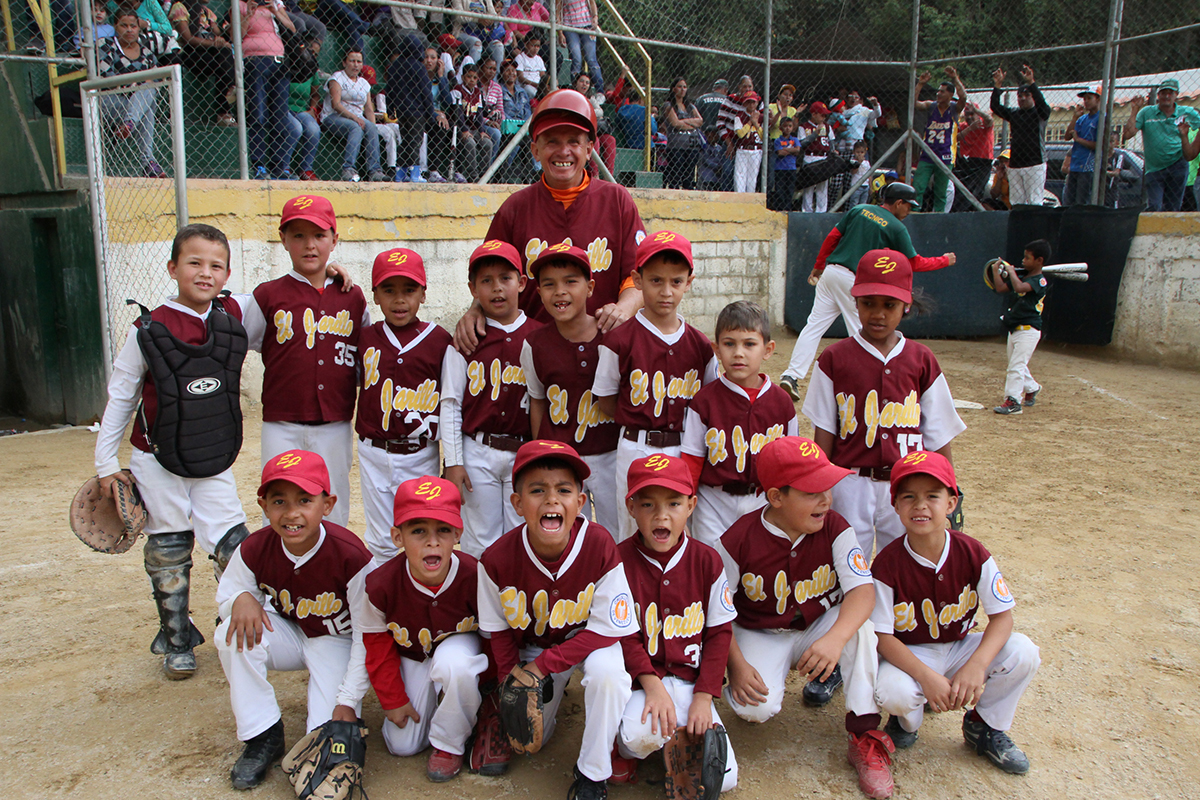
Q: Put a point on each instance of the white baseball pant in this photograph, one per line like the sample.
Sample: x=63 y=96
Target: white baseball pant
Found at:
x=332 y=441
x=207 y=506
x=601 y=488
x=774 y=653
x=815 y=197
x=745 y=169
x=716 y=511
x=380 y=475
x=638 y=740
x=285 y=648
x=606 y=692
x=832 y=297
x=867 y=506
x=490 y=473
x=1018 y=380
x=1025 y=185
x=627 y=453
x=899 y=694
x=453 y=672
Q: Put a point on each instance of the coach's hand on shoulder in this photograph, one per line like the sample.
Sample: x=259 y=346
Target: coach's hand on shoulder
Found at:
x=470 y=329
x=107 y=481
x=400 y=716
x=458 y=476
x=659 y=708
x=246 y=622
x=340 y=273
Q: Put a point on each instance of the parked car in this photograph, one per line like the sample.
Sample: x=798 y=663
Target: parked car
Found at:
x=1124 y=191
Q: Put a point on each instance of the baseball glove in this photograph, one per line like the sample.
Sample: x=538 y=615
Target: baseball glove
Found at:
x=327 y=764
x=696 y=764
x=523 y=699
x=956 y=516
x=105 y=525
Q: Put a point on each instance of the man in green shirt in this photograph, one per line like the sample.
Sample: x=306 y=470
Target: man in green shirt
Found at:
x=864 y=227
x=1166 y=168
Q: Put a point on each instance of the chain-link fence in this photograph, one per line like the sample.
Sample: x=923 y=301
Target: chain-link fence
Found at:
x=134 y=136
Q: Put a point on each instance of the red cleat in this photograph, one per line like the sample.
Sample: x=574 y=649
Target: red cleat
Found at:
x=870 y=754
x=624 y=770
x=443 y=766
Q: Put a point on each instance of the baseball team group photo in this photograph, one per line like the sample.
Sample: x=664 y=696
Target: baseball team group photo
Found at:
x=866 y=475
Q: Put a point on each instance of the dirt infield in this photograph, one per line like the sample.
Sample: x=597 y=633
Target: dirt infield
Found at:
x=1090 y=502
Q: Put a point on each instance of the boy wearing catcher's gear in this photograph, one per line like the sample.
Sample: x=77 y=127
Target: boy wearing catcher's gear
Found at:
x=803 y=594
x=685 y=613
x=402 y=364
x=554 y=597
x=928 y=587
x=286 y=599
x=181 y=509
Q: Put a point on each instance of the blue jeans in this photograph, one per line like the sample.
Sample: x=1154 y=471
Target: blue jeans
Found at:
x=138 y=110
x=266 y=111
x=1164 y=187
x=494 y=135
x=340 y=16
x=1078 y=191
x=576 y=42
x=302 y=128
x=349 y=130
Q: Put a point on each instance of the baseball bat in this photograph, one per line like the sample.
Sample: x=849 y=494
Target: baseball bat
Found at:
x=1071 y=276
x=1075 y=266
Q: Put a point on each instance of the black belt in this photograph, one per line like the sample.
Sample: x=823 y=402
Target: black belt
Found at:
x=739 y=488
x=653 y=438
x=876 y=473
x=500 y=441
x=398 y=447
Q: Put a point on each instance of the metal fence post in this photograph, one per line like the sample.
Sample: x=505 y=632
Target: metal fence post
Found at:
x=92 y=134
x=180 y=156
x=912 y=92
x=553 y=48
x=767 y=98
x=1104 y=123
x=235 y=18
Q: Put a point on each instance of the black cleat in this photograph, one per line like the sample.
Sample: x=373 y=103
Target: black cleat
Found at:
x=901 y=738
x=818 y=693
x=258 y=756
x=584 y=788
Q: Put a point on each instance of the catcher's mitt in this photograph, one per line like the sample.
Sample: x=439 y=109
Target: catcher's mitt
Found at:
x=105 y=525
x=696 y=764
x=956 y=516
x=327 y=764
x=523 y=698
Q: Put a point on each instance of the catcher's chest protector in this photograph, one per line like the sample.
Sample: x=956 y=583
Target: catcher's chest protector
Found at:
x=197 y=430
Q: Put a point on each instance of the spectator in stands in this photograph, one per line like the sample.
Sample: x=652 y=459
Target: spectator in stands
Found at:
x=748 y=142
x=205 y=51
x=712 y=160
x=341 y=16
x=130 y=115
x=266 y=85
x=859 y=179
x=683 y=122
x=778 y=111
x=998 y=194
x=816 y=138
x=348 y=114
x=631 y=120
x=411 y=98
x=1027 y=125
x=976 y=144
x=389 y=131
x=440 y=136
x=151 y=16
x=1081 y=131
x=1166 y=166
x=493 y=102
x=308 y=27
x=394 y=24
x=482 y=36
x=786 y=147
x=581 y=14
x=527 y=10
x=304 y=93
x=858 y=117
x=530 y=66
x=101 y=29
x=516 y=101
x=606 y=143
x=710 y=104
x=941 y=135
x=731 y=108
x=474 y=145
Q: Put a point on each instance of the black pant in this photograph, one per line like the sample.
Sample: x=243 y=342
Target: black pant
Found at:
x=408 y=152
x=681 y=167
x=973 y=172
x=211 y=62
x=785 y=188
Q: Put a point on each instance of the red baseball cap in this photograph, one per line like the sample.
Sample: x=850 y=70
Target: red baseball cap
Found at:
x=427 y=497
x=368 y=73
x=750 y=95
x=540 y=449
x=819 y=108
x=397 y=261
x=312 y=207
x=658 y=242
x=306 y=470
x=494 y=248
x=922 y=462
x=562 y=252
x=797 y=462
x=660 y=470
x=448 y=42
x=884 y=272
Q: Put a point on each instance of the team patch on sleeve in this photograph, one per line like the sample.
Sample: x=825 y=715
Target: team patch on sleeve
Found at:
x=858 y=562
x=727 y=597
x=620 y=611
x=1000 y=589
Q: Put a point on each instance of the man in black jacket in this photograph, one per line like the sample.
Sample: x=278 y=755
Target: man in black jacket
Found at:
x=1027 y=124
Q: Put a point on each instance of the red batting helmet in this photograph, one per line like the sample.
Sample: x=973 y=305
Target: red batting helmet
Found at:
x=564 y=107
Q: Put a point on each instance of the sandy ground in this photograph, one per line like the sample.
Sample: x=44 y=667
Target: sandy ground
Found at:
x=1089 y=501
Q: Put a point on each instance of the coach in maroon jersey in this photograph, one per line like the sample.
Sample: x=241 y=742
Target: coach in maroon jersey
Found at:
x=567 y=206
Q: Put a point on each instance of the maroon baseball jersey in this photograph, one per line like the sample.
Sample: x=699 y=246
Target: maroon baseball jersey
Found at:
x=819 y=146
x=781 y=584
x=494 y=399
x=419 y=617
x=727 y=429
x=561 y=373
x=401 y=383
x=919 y=602
x=676 y=602
x=546 y=603
x=880 y=408
x=653 y=376
x=309 y=350
x=186 y=328
x=603 y=220
x=313 y=593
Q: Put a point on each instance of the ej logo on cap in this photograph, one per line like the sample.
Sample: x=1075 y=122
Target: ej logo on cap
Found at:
x=288 y=460
x=302 y=202
x=657 y=463
x=884 y=263
x=808 y=449
x=429 y=491
x=397 y=258
x=915 y=458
